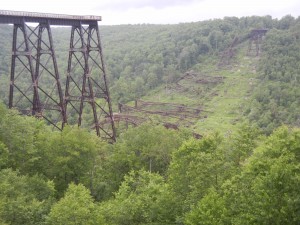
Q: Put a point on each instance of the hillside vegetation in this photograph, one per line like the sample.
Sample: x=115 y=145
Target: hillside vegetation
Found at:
x=147 y=61
x=244 y=169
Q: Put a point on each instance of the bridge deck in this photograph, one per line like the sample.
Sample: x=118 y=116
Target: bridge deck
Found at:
x=16 y=17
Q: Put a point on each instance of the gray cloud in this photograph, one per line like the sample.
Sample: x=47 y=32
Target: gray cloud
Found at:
x=137 y=4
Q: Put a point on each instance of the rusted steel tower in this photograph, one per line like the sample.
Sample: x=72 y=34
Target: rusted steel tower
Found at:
x=86 y=80
x=33 y=67
x=255 y=40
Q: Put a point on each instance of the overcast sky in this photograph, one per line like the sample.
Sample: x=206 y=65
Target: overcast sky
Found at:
x=158 y=11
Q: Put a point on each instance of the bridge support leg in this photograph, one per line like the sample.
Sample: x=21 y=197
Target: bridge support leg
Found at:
x=255 y=44
x=51 y=99
x=22 y=72
x=33 y=67
x=86 y=83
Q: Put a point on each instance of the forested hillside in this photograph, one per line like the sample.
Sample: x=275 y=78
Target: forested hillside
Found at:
x=276 y=99
x=245 y=168
x=153 y=55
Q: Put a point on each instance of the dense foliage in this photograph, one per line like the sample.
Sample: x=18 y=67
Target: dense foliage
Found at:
x=150 y=176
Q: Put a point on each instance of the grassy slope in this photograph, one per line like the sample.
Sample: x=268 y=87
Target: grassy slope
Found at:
x=224 y=103
x=227 y=108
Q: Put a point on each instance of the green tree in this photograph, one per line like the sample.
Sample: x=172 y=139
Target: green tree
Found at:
x=76 y=207
x=210 y=210
x=266 y=191
x=215 y=39
x=19 y=134
x=145 y=147
x=197 y=166
x=242 y=144
x=285 y=22
x=24 y=199
x=3 y=155
x=69 y=156
x=143 y=198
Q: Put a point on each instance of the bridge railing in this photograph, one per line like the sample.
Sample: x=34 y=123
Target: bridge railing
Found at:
x=49 y=15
